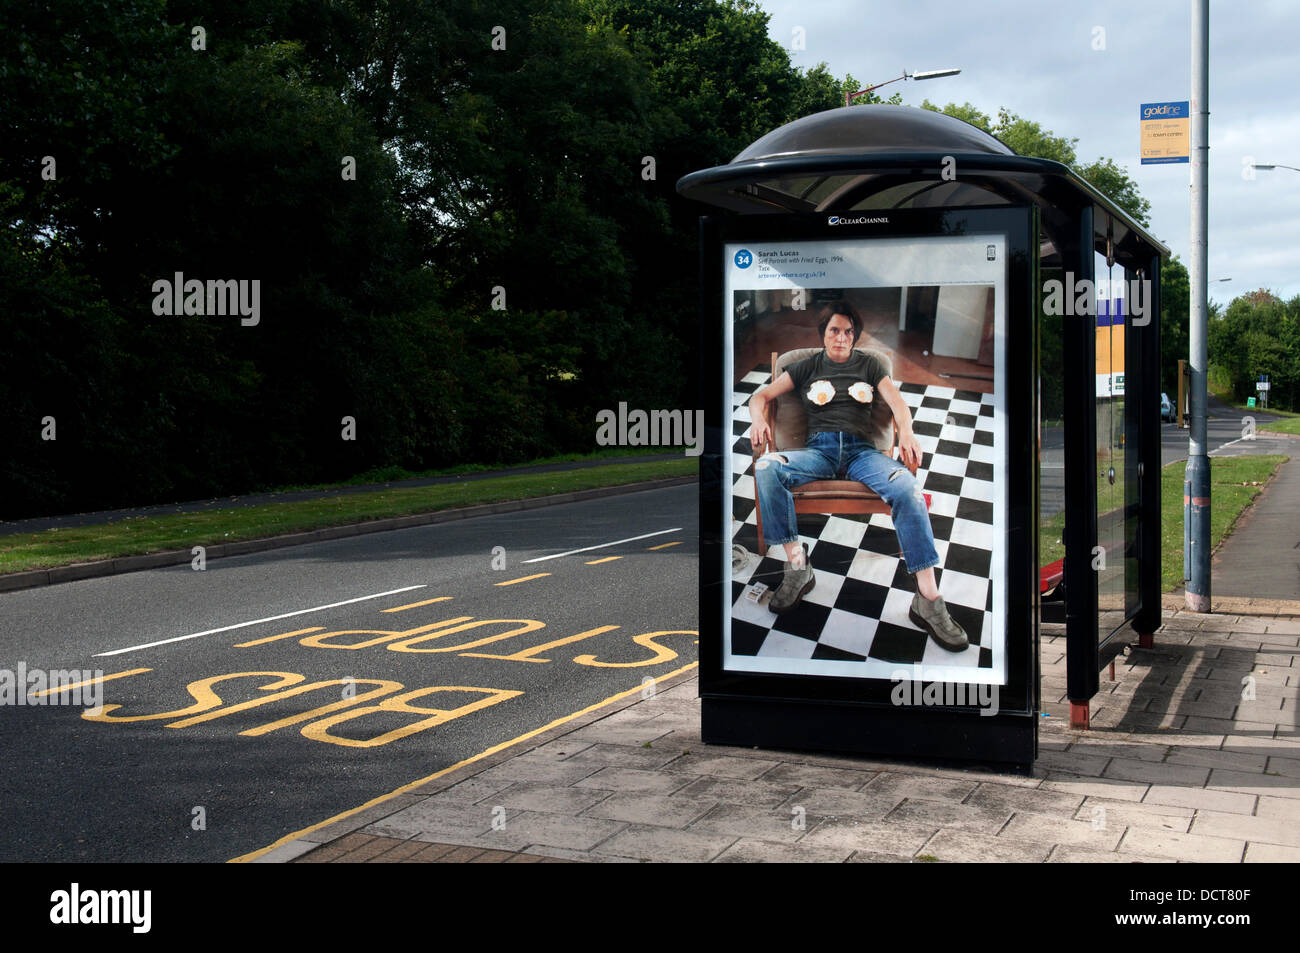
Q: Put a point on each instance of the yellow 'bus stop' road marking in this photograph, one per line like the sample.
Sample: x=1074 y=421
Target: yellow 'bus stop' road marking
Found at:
x=245 y=858
x=415 y=605
x=511 y=582
x=88 y=681
x=273 y=638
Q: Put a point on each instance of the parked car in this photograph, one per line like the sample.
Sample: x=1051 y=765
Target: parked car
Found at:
x=1166 y=408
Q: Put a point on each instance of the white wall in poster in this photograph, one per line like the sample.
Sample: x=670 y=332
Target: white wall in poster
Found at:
x=950 y=262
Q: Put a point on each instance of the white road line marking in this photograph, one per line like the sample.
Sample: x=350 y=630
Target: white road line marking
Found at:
x=241 y=625
x=1222 y=445
x=585 y=549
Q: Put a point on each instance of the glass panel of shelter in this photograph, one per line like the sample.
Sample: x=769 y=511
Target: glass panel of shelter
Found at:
x=1111 y=550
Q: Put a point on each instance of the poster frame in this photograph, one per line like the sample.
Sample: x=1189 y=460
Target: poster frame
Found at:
x=838 y=713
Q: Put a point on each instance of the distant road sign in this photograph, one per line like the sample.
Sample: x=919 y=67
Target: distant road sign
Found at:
x=1166 y=132
x=1261 y=385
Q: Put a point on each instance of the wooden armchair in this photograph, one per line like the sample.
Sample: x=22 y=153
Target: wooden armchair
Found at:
x=788 y=425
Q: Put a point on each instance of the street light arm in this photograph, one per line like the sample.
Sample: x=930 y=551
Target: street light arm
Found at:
x=849 y=97
x=927 y=74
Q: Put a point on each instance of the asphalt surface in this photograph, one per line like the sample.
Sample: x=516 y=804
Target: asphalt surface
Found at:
x=196 y=778
x=1224 y=430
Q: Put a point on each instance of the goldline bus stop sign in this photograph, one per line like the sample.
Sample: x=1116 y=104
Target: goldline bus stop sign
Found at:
x=1166 y=132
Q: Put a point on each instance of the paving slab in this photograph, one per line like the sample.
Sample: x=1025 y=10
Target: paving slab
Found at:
x=634 y=779
x=818 y=776
x=974 y=847
x=767 y=852
x=1246 y=783
x=899 y=784
x=652 y=810
x=1066 y=854
x=896 y=838
x=515 y=830
x=1263 y=830
x=1000 y=797
x=1200 y=798
x=949 y=817
x=1105 y=814
x=760 y=793
x=839 y=803
x=721 y=766
x=544 y=798
x=757 y=823
x=1096 y=787
x=662 y=844
x=628 y=756
x=1271 y=854
x=1191 y=847
x=1040 y=828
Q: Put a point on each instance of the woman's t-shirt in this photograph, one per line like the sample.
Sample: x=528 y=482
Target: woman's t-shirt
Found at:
x=838 y=397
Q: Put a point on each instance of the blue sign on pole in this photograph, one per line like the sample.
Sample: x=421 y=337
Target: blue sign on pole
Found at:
x=1166 y=132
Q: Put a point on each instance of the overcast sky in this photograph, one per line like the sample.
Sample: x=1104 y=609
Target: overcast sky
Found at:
x=1038 y=60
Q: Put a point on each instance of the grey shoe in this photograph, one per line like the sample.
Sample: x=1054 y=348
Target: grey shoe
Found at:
x=795 y=584
x=933 y=617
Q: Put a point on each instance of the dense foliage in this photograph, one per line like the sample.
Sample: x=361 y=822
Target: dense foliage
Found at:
x=507 y=153
x=1259 y=333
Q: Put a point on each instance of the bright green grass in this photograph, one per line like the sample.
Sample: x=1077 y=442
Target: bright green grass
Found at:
x=1234 y=483
x=393 y=474
x=1285 y=425
x=127 y=537
x=1051 y=539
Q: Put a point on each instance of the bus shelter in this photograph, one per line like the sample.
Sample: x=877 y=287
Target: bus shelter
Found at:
x=1014 y=311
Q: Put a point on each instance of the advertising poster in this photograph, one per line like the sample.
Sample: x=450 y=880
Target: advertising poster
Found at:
x=888 y=351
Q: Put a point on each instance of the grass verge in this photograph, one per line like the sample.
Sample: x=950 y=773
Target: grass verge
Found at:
x=1234 y=483
x=1051 y=539
x=130 y=537
x=393 y=474
x=1285 y=425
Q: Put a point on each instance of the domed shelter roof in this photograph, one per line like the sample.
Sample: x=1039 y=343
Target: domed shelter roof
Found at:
x=878 y=157
x=872 y=130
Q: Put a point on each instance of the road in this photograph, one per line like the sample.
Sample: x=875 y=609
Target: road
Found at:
x=1225 y=426
x=269 y=692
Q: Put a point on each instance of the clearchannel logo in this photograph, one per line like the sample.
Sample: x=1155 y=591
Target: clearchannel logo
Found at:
x=860 y=220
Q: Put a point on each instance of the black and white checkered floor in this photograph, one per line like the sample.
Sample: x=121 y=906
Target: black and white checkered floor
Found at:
x=857 y=610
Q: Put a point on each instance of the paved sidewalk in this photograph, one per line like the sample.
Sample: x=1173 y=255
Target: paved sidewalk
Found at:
x=1261 y=556
x=1194 y=755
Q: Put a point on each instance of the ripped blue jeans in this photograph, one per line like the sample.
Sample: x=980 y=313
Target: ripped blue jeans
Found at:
x=844 y=456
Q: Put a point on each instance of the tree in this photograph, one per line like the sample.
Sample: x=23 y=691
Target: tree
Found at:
x=1258 y=334
x=1028 y=138
x=1175 y=299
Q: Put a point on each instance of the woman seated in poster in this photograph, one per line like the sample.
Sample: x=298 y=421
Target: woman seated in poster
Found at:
x=837 y=386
